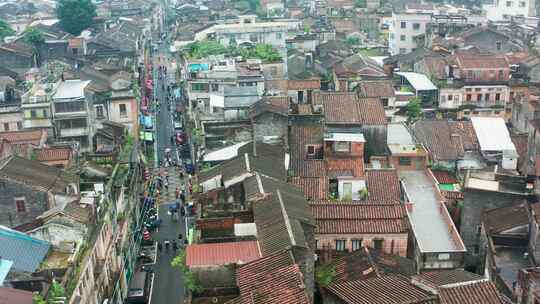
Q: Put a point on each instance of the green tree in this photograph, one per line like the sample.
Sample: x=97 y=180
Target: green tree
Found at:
x=325 y=274
x=33 y=36
x=352 y=41
x=75 y=15
x=5 y=30
x=414 y=109
x=190 y=281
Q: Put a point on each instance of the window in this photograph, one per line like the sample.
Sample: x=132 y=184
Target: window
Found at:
x=310 y=150
x=214 y=87
x=278 y=35
x=20 y=204
x=478 y=229
x=273 y=71
x=340 y=245
x=200 y=87
x=469 y=97
x=468 y=90
x=356 y=244
x=497 y=96
x=402 y=37
x=33 y=114
x=99 y=112
x=342 y=146
x=444 y=256
x=123 y=110
x=19 y=125
x=450 y=97
x=347 y=190
x=476 y=250
x=71 y=106
x=6 y=126
x=508 y=3
x=522 y=4
x=403 y=24
x=402 y=51
x=486 y=97
x=416 y=26
x=477 y=89
x=478 y=97
x=475 y=112
x=498 y=44
x=378 y=244
x=45 y=113
x=501 y=74
x=404 y=161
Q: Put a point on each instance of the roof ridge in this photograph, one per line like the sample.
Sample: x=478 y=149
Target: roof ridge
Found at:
x=286 y=218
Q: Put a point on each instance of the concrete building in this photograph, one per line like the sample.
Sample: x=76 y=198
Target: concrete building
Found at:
x=404 y=30
x=72 y=117
x=499 y=10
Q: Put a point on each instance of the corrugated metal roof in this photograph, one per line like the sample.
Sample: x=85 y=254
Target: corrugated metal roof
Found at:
x=26 y=252
x=492 y=134
x=222 y=253
x=418 y=81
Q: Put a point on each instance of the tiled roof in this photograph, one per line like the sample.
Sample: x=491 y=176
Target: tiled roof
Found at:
x=394 y=289
x=33 y=173
x=347 y=108
x=314 y=188
x=477 y=61
x=299 y=138
x=379 y=88
x=23 y=137
x=333 y=218
x=383 y=186
x=24 y=251
x=54 y=154
x=368 y=263
x=475 y=293
x=437 y=137
x=440 y=278
x=12 y=296
x=217 y=254
x=274 y=104
x=358 y=65
x=269 y=280
x=467 y=134
x=346 y=167
x=444 y=177
x=504 y=218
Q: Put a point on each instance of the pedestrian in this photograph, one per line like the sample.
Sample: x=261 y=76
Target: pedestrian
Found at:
x=177 y=193
x=174 y=246
x=179 y=236
x=190 y=189
x=182 y=197
x=159 y=247
x=166 y=245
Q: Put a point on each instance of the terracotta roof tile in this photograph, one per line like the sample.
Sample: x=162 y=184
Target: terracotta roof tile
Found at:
x=300 y=137
x=269 y=280
x=380 y=88
x=274 y=104
x=440 y=278
x=347 y=108
x=504 y=218
x=54 y=154
x=24 y=137
x=395 y=289
x=436 y=136
x=217 y=254
x=444 y=177
x=475 y=293
x=334 y=218
x=314 y=188
x=469 y=61
x=383 y=185
x=346 y=167
x=467 y=134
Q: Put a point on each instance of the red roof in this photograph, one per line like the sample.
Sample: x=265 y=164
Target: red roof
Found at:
x=23 y=137
x=334 y=218
x=269 y=280
x=12 y=295
x=314 y=188
x=468 y=61
x=54 y=154
x=475 y=293
x=444 y=177
x=222 y=253
x=383 y=185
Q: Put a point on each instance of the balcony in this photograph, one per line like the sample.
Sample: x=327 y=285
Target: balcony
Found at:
x=70 y=114
x=37 y=123
x=74 y=132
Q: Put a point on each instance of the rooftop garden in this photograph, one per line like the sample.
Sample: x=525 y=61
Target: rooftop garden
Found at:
x=202 y=49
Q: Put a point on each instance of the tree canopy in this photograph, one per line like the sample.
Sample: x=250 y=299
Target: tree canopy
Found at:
x=33 y=36
x=5 y=30
x=414 y=109
x=75 y=15
x=202 y=49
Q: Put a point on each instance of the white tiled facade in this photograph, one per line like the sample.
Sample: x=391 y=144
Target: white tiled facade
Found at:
x=404 y=27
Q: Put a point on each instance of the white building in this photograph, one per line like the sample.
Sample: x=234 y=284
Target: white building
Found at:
x=503 y=10
x=403 y=29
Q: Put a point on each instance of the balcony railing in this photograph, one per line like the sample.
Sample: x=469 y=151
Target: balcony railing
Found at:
x=73 y=132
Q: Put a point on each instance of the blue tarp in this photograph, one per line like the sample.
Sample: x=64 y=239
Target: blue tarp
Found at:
x=146 y=121
x=195 y=67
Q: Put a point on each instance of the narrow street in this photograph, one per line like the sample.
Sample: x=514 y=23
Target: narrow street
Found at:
x=168 y=282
